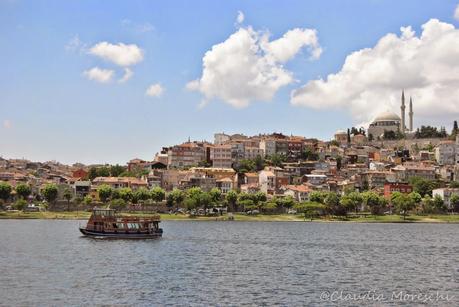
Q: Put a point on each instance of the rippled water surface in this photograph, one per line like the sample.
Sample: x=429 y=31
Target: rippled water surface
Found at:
x=47 y=262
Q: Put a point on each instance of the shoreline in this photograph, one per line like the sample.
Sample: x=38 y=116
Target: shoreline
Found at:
x=82 y=215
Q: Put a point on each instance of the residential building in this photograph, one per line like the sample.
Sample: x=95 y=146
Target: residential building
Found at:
x=186 y=155
x=299 y=192
x=391 y=187
x=445 y=194
x=445 y=153
x=221 y=157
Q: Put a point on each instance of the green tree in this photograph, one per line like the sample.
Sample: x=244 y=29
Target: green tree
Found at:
x=104 y=191
x=50 y=192
x=351 y=201
x=205 y=200
x=157 y=194
x=403 y=203
x=87 y=200
x=269 y=206
x=439 y=204
x=259 y=163
x=331 y=202
x=20 y=204
x=92 y=173
x=423 y=186
x=454 y=201
x=126 y=194
x=5 y=191
x=68 y=196
x=310 y=209
x=277 y=160
x=317 y=196
x=373 y=201
x=142 y=194
x=177 y=197
x=231 y=199
x=216 y=195
x=118 y=204
x=116 y=170
x=23 y=190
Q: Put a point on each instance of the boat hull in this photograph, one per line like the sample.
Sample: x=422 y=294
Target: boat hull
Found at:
x=119 y=235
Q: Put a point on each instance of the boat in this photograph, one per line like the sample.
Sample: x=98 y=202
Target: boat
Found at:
x=106 y=223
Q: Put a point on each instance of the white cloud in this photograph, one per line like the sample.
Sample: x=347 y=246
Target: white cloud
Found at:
x=128 y=73
x=99 y=74
x=240 y=17
x=371 y=79
x=120 y=54
x=248 y=67
x=7 y=124
x=154 y=90
x=456 y=12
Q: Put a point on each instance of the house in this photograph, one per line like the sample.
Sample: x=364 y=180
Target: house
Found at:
x=221 y=157
x=80 y=173
x=121 y=182
x=391 y=187
x=299 y=192
x=81 y=188
x=445 y=153
x=187 y=154
x=225 y=184
x=267 y=181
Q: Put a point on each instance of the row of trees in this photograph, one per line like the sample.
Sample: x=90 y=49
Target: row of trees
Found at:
x=49 y=192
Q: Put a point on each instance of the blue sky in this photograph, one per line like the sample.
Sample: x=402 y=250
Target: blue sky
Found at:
x=51 y=111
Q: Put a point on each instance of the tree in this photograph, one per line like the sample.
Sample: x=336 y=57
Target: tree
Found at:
x=87 y=200
x=104 y=191
x=20 y=204
x=317 y=196
x=118 y=204
x=259 y=163
x=23 y=190
x=92 y=173
x=276 y=160
x=423 y=186
x=247 y=204
x=331 y=202
x=370 y=137
x=439 y=204
x=348 y=136
x=373 y=201
x=269 y=206
x=126 y=194
x=403 y=203
x=416 y=197
x=50 y=192
x=351 y=201
x=5 y=191
x=454 y=201
x=205 y=200
x=310 y=209
x=157 y=194
x=231 y=199
x=68 y=196
x=116 y=170
x=142 y=194
x=177 y=196
x=216 y=195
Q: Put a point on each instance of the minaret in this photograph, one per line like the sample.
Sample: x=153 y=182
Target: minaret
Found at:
x=402 y=108
x=411 y=114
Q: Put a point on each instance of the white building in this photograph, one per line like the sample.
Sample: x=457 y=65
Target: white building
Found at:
x=220 y=138
x=445 y=153
x=268 y=147
x=220 y=155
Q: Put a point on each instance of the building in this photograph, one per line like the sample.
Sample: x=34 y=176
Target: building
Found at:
x=225 y=184
x=221 y=138
x=391 y=187
x=186 y=155
x=81 y=188
x=221 y=157
x=299 y=192
x=445 y=153
x=268 y=146
x=388 y=121
x=79 y=173
x=121 y=182
x=341 y=136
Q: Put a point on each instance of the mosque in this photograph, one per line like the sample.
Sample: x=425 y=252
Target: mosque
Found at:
x=388 y=121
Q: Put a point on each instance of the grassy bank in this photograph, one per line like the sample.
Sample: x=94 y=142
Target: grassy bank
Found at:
x=73 y=215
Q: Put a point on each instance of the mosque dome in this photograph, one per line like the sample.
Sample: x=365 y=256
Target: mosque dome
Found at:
x=387 y=116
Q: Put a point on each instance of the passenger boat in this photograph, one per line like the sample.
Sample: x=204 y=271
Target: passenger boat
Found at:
x=106 y=223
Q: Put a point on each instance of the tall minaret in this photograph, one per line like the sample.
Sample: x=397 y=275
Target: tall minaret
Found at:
x=411 y=114
x=402 y=108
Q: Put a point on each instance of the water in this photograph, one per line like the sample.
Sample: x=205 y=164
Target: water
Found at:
x=47 y=262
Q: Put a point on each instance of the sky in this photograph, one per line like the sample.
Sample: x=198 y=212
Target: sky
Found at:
x=108 y=81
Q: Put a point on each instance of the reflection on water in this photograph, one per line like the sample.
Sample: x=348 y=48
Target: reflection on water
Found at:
x=47 y=262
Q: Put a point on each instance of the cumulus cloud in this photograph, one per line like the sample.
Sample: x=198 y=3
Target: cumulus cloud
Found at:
x=7 y=124
x=456 y=12
x=371 y=79
x=154 y=90
x=248 y=66
x=240 y=17
x=99 y=75
x=128 y=73
x=120 y=54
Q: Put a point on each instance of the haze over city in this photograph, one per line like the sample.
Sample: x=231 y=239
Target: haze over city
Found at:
x=109 y=85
